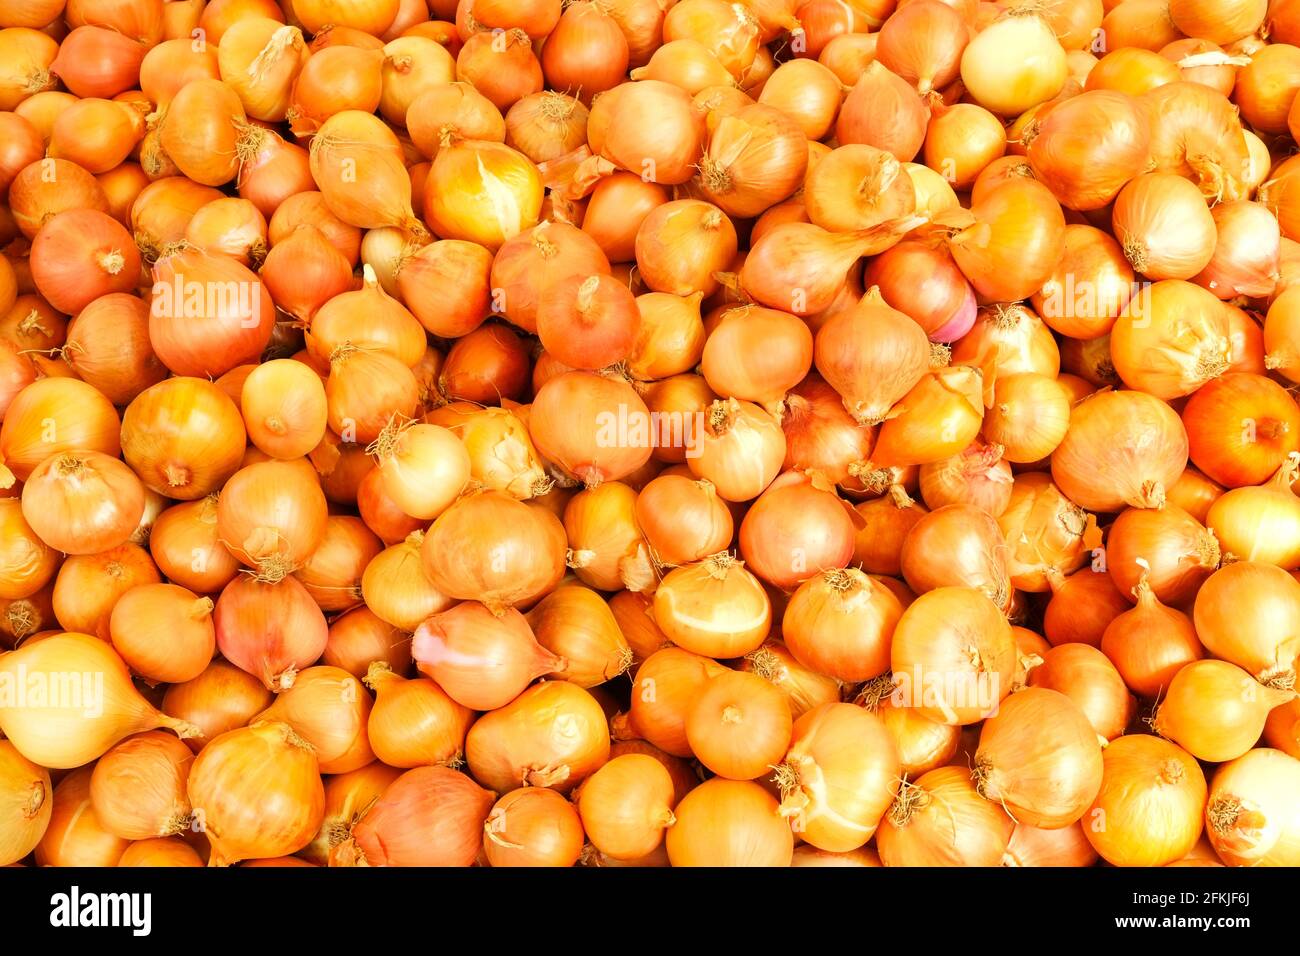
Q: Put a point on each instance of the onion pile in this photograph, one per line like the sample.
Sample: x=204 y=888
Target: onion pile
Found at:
x=636 y=432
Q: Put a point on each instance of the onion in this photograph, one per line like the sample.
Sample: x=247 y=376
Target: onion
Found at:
x=1194 y=493
x=96 y=61
x=272 y=515
x=1215 y=710
x=1121 y=447
x=259 y=791
x=80 y=255
x=1167 y=232
x=62 y=734
x=1249 y=818
x=1240 y=428
x=1039 y=758
x=501 y=454
x=886 y=522
x=1081 y=607
x=260 y=59
x=1168 y=547
x=587 y=53
x=329 y=708
x=412 y=65
x=1087 y=677
x=588 y=322
x=348 y=797
x=304 y=271
x=552 y=735
x=26 y=803
x=89 y=586
x=183 y=437
x=1243 y=614
x=1187 y=114
x=575 y=623
x=27 y=563
x=360 y=637
x=884 y=111
x=1011 y=84
x=940 y=820
x=501 y=66
x=50 y=416
x=429 y=816
x=873 y=356
x=683 y=520
x=1282 y=337
x=939 y=417
x=1152 y=798
x=457 y=106
x=209 y=313
x=446 y=286
x=414 y=722
x=1029 y=417
x=528 y=264
x=1015 y=242
x=729 y=823
x=924 y=282
x=715 y=607
x=481 y=660
x=137 y=789
x=681 y=244
x=1262 y=523
x=1246 y=253
x=664 y=690
x=978 y=476
x=1018 y=340
x=870 y=179
x=221 y=698
x=840 y=623
x=396 y=588
x=739 y=726
x=271 y=629
x=185 y=543
x=973 y=549
x=163 y=632
x=756 y=157
x=1089 y=286
x=75 y=837
x=1282 y=730
x=487 y=365
x=543 y=126
x=626 y=806
x=1088 y=147
x=83 y=502
x=835 y=794
x=532 y=827
x=1218 y=22
x=365 y=390
x=357 y=162
x=500 y=573
x=923 y=43
x=1032 y=846
x=1048 y=534
x=953 y=655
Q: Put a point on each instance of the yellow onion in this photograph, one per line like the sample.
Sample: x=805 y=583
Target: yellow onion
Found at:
x=1250 y=816
x=1010 y=84
x=1215 y=710
x=1261 y=523
x=553 y=735
x=259 y=792
x=940 y=820
x=357 y=163
x=576 y=624
x=26 y=803
x=1245 y=613
x=1039 y=758
x=138 y=787
x=729 y=823
x=1149 y=809
x=414 y=723
x=330 y=709
x=714 y=607
x=838 y=777
x=74 y=727
x=348 y=797
x=923 y=744
x=75 y=837
x=396 y=588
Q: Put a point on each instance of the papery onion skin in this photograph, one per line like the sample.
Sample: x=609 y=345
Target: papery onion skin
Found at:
x=1044 y=778
x=1152 y=798
x=1250 y=819
x=729 y=823
x=1121 y=448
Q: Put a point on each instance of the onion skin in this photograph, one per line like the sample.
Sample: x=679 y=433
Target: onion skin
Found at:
x=1246 y=613
x=1150 y=805
x=729 y=823
x=1087 y=677
x=26 y=799
x=1043 y=782
x=552 y=735
x=429 y=816
x=1250 y=819
x=966 y=830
